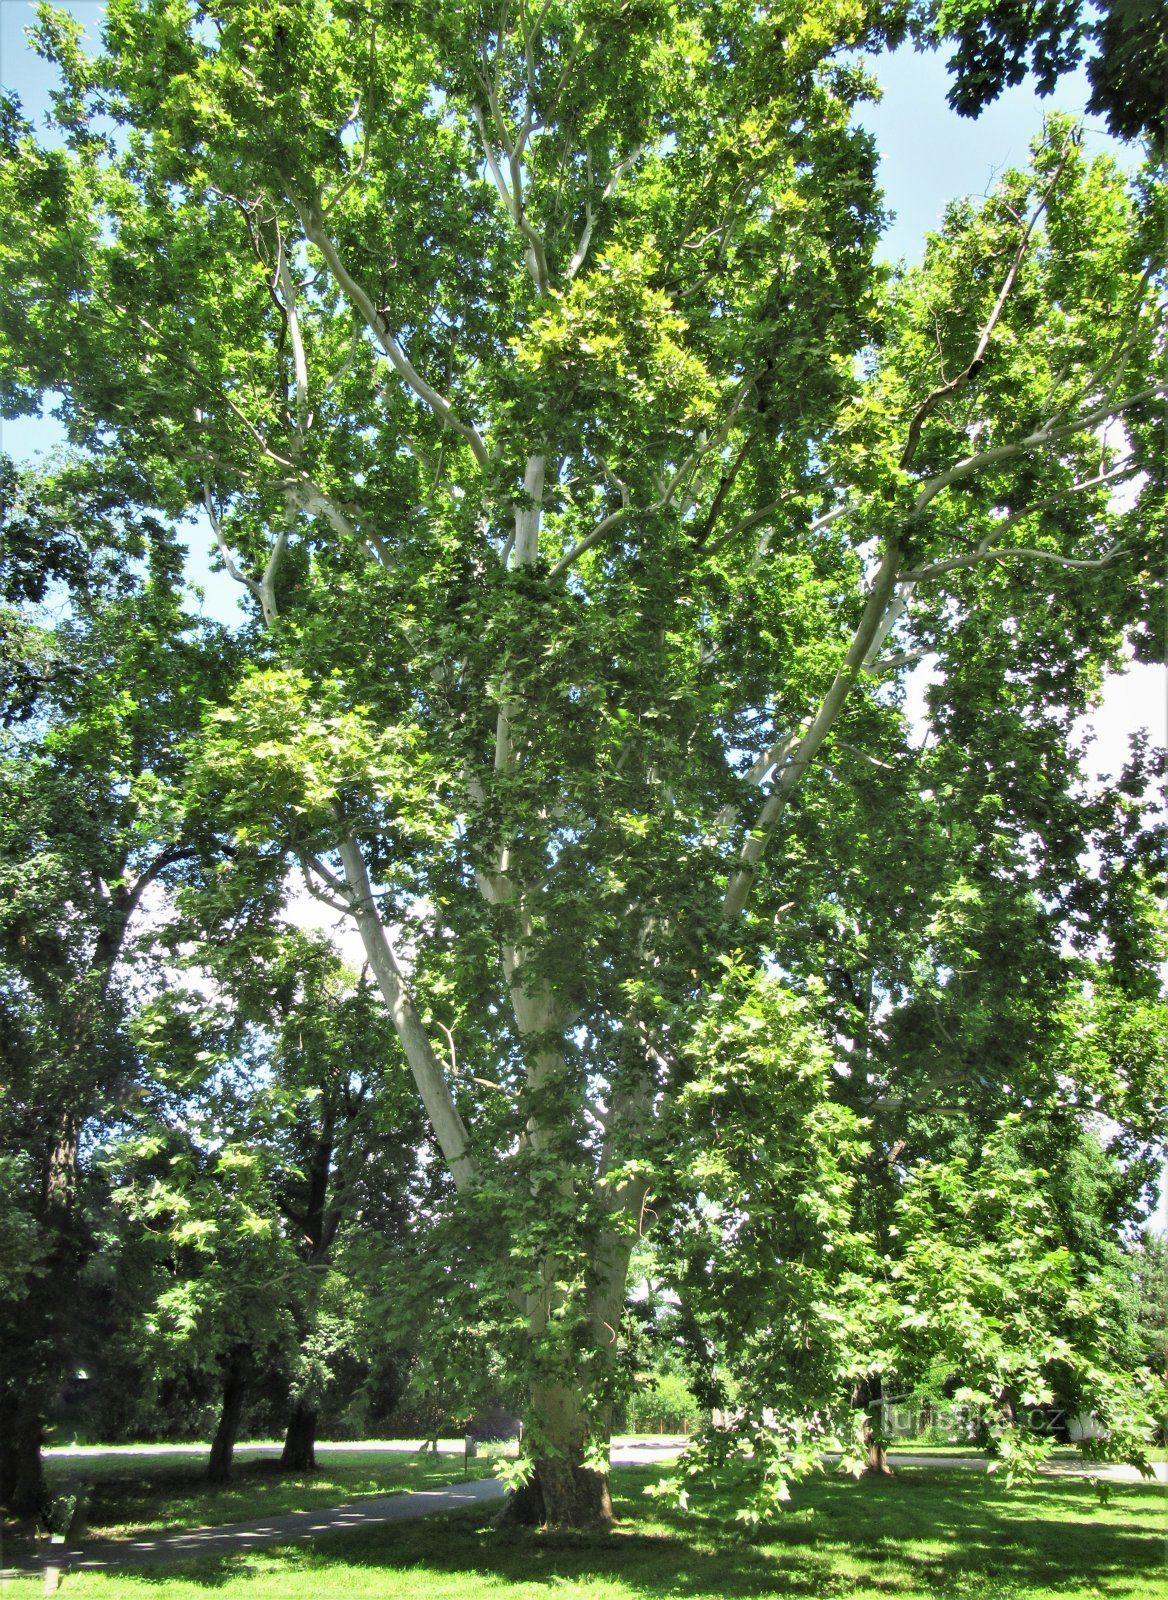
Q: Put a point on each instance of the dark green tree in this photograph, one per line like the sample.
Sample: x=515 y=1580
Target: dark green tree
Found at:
x=103 y=686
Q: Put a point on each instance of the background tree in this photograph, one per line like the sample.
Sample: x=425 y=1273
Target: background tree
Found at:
x=344 y=1137
x=103 y=671
x=271 y=1165
x=1123 y=41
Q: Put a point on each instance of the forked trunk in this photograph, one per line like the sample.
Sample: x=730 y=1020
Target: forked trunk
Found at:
x=299 y=1453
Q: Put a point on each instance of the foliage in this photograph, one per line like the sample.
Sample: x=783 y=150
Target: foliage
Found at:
x=998 y=45
x=101 y=682
x=595 y=492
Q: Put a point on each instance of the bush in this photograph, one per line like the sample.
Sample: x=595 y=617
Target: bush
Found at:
x=662 y=1402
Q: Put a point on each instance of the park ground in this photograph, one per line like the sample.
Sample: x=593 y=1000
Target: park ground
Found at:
x=927 y=1532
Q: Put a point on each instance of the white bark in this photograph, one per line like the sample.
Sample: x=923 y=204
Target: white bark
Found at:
x=299 y=361
x=794 y=770
x=424 y=1064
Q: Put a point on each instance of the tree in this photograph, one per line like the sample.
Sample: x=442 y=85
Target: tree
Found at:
x=101 y=687
x=595 y=491
x=268 y=1170
x=342 y=1135
x=1152 y=1275
x=996 y=46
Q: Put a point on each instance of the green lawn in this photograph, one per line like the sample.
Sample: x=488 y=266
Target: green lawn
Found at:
x=922 y=1534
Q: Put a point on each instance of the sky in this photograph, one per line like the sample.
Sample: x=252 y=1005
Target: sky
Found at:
x=929 y=156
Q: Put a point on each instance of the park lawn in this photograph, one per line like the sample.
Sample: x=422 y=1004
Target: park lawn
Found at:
x=924 y=1533
x=129 y=1497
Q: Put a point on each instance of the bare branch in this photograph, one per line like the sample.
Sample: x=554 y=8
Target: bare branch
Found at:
x=606 y=525
x=1000 y=553
x=493 y=163
x=265 y=590
x=268 y=581
x=310 y=864
x=427 y=1070
x=615 y=518
x=906 y=658
x=896 y=609
x=758 y=771
x=166 y=857
x=512 y=194
x=225 y=549
x=299 y=363
x=1051 y=432
x=580 y=254
x=528 y=513
x=1129 y=469
x=862 y=755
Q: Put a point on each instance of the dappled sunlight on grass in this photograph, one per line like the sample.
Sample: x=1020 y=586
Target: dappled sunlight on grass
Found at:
x=918 y=1535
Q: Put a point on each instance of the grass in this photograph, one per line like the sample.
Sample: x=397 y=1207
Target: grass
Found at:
x=921 y=1535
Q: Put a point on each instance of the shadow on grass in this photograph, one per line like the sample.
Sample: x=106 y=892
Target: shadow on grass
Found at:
x=921 y=1533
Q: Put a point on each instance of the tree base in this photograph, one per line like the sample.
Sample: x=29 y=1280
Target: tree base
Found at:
x=299 y=1453
x=561 y=1495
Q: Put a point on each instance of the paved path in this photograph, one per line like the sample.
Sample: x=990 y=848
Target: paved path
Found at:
x=1113 y=1471
x=189 y=1544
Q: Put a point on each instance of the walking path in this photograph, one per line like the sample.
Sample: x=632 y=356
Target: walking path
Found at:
x=189 y=1544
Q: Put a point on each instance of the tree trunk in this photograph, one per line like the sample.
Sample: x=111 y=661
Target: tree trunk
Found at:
x=22 y=1476
x=223 y=1444
x=299 y=1453
x=563 y=1493
x=869 y=1393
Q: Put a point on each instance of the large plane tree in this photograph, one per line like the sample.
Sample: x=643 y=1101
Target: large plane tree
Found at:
x=595 y=491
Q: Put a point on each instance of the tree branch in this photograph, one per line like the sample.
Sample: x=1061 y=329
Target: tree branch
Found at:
x=1049 y=433
x=1000 y=553
x=794 y=770
x=166 y=857
x=580 y=255
x=615 y=518
x=449 y=1128
x=512 y=195
x=944 y=390
x=309 y=863
x=225 y=549
x=299 y=363
x=313 y=223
